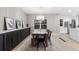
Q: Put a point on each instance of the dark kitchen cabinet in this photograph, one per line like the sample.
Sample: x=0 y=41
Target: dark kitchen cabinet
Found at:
x=1 y=42
x=10 y=40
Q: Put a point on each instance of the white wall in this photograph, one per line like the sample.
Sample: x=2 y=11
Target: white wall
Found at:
x=52 y=21
x=74 y=34
x=13 y=12
x=67 y=18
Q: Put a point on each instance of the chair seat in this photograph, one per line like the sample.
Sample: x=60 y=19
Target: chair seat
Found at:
x=41 y=40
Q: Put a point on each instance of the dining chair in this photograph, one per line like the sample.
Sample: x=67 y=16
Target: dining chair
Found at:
x=40 y=39
x=49 y=36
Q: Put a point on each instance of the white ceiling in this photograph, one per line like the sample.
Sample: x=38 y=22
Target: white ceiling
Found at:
x=52 y=10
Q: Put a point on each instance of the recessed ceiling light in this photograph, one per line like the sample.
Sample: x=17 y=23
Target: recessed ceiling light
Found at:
x=40 y=7
x=69 y=10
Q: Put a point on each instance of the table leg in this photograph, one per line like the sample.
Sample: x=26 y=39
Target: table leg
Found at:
x=46 y=40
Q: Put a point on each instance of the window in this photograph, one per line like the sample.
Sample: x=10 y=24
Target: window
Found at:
x=40 y=24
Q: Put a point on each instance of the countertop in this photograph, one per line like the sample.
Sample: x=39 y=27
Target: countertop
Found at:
x=6 y=31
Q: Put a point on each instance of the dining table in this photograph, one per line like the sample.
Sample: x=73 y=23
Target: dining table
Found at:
x=38 y=32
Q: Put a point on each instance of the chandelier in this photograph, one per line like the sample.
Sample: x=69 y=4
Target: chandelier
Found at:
x=40 y=17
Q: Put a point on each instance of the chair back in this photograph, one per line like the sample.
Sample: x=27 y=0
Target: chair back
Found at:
x=40 y=37
x=49 y=33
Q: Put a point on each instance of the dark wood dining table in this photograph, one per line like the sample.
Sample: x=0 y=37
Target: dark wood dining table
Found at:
x=33 y=42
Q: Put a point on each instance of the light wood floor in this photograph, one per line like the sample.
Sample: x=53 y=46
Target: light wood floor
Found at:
x=60 y=42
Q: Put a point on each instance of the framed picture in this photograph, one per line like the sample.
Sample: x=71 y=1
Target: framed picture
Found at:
x=66 y=24
x=18 y=24
x=61 y=22
x=23 y=24
x=73 y=23
x=9 y=23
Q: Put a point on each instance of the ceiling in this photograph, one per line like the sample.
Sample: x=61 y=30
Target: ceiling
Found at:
x=52 y=10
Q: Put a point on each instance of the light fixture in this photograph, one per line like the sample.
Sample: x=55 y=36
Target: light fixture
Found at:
x=71 y=12
x=40 y=17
